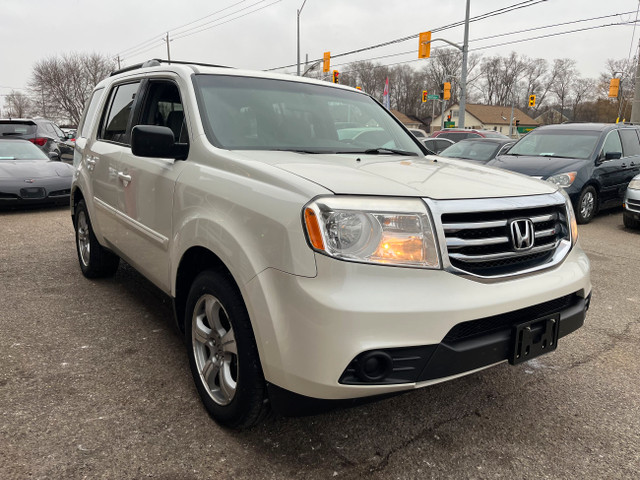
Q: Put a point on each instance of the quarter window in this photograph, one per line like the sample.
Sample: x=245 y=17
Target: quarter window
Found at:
x=118 y=113
x=87 y=120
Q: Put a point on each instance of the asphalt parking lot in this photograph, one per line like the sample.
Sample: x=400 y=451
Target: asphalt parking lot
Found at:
x=95 y=383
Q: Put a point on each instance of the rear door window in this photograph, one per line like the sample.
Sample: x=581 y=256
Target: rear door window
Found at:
x=630 y=142
x=118 y=113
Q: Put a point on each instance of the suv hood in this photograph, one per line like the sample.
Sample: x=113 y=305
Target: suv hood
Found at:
x=391 y=175
x=537 y=166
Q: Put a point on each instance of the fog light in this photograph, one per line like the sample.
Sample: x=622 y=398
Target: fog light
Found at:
x=374 y=366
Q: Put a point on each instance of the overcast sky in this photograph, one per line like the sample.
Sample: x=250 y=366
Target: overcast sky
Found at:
x=261 y=35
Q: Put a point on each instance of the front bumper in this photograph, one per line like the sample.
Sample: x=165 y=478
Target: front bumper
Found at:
x=310 y=330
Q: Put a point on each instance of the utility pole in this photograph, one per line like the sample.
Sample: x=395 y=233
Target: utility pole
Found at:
x=463 y=77
x=168 y=51
x=298 y=24
x=635 y=105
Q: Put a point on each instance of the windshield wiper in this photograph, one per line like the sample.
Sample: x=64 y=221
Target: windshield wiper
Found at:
x=297 y=150
x=554 y=156
x=377 y=151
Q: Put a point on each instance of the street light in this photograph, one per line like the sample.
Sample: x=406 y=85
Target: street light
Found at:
x=299 y=12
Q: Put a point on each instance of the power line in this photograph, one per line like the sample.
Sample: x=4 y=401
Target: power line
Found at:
x=500 y=11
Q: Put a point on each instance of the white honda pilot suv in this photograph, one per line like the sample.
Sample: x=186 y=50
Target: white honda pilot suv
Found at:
x=311 y=249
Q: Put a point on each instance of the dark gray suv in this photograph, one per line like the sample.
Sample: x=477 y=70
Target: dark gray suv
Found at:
x=40 y=131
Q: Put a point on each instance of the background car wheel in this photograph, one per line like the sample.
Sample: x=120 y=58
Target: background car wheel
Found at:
x=630 y=222
x=587 y=205
x=223 y=355
x=95 y=260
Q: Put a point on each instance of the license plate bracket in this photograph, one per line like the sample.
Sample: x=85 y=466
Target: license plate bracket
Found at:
x=534 y=338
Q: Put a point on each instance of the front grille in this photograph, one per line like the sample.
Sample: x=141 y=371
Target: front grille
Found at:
x=482 y=243
x=33 y=192
x=60 y=193
x=488 y=325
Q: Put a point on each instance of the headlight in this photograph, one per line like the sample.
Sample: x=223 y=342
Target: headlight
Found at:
x=390 y=231
x=563 y=179
x=571 y=217
x=634 y=184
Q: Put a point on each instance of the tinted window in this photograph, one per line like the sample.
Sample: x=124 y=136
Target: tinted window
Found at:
x=12 y=129
x=472 y=150
x=630 y=142
x=119 y=110
x=163 y=106
x=457 y=136
x=89 y=114
x=612 y=144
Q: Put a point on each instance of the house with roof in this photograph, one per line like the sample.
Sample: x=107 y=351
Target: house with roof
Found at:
x=488 y=117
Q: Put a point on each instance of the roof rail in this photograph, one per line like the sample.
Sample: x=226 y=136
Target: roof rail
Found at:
x=156 y=62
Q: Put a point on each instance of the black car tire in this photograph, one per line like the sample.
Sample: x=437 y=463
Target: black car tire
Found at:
x=95 y=260
x=629 y=221
x=223 y=355
x=587 y=206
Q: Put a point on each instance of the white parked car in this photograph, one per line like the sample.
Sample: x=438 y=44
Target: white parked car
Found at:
x=305 y=263
x=631 y=212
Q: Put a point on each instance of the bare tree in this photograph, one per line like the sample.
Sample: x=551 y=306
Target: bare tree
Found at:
x=64 y=83
x=500 y=76
x=563 y=75
x=537 y=82
x=584 y=89
x=17 y=104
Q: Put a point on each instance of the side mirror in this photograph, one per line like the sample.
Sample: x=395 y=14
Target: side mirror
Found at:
x=612 y=155
x=55 y=156
x=157 y=142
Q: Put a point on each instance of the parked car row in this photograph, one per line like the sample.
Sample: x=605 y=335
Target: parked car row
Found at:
x=41 y=132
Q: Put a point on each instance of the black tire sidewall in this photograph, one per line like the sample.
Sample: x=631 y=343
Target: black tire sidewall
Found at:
x=246 y=406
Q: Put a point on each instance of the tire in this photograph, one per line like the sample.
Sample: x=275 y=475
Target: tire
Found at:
x=223 y=355
x=95 y=260
x=630 y=222
x=587 y=206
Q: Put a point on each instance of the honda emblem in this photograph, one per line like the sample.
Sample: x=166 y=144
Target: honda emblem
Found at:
x=522 y=234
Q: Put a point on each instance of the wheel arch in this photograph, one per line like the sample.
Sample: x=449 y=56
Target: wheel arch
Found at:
x=194 y=261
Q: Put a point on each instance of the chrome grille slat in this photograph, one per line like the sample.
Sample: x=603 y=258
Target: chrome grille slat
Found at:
x=456 y=242
x=503 y=256
x=479 y=240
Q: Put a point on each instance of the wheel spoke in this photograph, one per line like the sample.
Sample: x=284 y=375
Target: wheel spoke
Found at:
x=201 y=333
x=227 y=383
x=228 y=341
x=212 y=310
x=210 y=370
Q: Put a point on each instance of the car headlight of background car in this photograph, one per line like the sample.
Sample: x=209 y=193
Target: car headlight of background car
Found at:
x=373 y=230
x=563 y=179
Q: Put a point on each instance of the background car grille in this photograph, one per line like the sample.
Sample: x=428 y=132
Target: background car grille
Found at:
x=481 y=243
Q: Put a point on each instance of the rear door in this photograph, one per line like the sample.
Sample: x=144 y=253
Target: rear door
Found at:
x=101 y=158
x=145 y=186
x=611 y=173
x=631 y=156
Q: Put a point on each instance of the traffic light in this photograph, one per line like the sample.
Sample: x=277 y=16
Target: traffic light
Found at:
x=424 y=96
x=449 y=117
x=336 y=74
x=614 y=87
x=446 y=87
x=326 y=62
x=532 y=100
x=424 y=45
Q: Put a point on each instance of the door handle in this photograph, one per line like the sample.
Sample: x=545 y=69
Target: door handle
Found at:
x=126 y=179
x=624 y=165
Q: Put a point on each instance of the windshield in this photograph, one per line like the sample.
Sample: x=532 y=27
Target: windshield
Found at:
x=245 y=113
x=472 y=150
x=20 y=150
x=555 y=143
